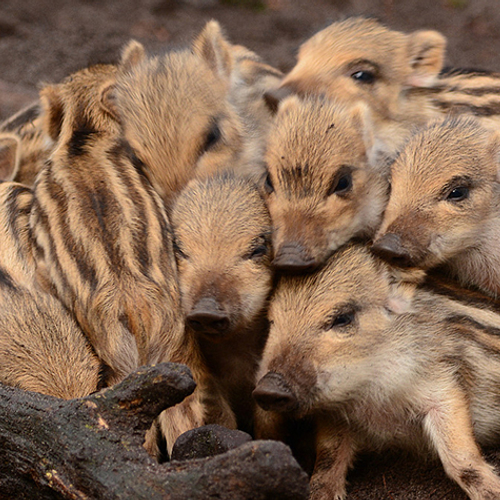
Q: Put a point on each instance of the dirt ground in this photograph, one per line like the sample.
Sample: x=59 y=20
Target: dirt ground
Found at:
x=43 y=41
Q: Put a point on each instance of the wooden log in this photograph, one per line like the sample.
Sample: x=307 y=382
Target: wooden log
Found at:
x=91 y=448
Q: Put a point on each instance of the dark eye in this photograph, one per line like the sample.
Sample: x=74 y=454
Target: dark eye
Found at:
x=458 y=194
x=341 y=185
x=363 y=76
x=178 y=251
x=268 y=185
x=258 y=252
x=342 y=320
x=212 y=138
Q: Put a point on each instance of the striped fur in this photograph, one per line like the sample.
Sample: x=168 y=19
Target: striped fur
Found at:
x=379 y=362
x=323 y=184
x=42 y=348
x=222 y=240
x=181 y=113
x=444 y=207
x=400 y=76
x=102 y=238
x=24 y=146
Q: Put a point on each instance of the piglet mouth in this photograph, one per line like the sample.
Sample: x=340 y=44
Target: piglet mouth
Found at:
x=274 y=393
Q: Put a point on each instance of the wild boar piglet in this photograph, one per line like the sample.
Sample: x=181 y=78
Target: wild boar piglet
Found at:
x=101 y=234
x=42 y=348
x=180 y=117
x=222 y=234
x=399 y=76
x=444 y=207
x=379 y=361
x=325 y=183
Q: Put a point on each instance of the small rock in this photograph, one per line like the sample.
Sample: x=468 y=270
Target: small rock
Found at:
x=207 y=441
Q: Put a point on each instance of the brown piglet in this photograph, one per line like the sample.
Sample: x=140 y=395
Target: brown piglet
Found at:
x=376 y=361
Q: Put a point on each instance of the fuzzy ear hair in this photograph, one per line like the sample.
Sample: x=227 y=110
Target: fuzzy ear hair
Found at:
x=402 y=286
x=9 y=156
x=288 y=104
x=494 y=147
x=362 y=120
x=52 y=111
x=132 y=54
x=426 y=52
x=273 y=97
x=108 y=101
x=213 y=48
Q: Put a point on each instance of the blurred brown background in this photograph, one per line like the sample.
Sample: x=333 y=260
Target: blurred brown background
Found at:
x=44 y=40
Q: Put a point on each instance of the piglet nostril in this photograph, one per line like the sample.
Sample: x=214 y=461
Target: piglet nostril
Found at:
x=390 y=248
x=274 y=393
x=207 y=321
x=208 y=316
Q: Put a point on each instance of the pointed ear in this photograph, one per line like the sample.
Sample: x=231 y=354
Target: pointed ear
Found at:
x=362 y=119
x=426 y=52
x=108 y=101
x=213 y=48
x=132 y=54
x=9 y=156
x=402 y=287
x=273 y=97
x=288 y=104
x=52 y=111
x=494 y=147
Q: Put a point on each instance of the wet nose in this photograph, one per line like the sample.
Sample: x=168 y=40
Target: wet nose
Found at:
x=390 y=248
x=208 y=316
x=274 y=393
x=294 y=258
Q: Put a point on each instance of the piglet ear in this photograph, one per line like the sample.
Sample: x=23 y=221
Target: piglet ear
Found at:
x=402 y=288
x=273 y=97
x=362 y=121
x=426 y=52
x=494 y=147
x=132 y=54
x=52 y=110
x=214 y=49
x=9 y=156
x=108 y=100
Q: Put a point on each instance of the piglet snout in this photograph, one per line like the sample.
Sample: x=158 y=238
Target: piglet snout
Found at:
x=273 y=393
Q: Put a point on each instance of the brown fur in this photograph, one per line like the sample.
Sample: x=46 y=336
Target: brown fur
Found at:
x=222 y=234
x=178 y=116
x=315 y=148
x=42 y=348
x=396 y=74
x=435 y=229
x=380 y=362
x=102 y=238
x=24 y=146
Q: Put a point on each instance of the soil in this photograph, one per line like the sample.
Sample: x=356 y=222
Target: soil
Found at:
x=45 y=40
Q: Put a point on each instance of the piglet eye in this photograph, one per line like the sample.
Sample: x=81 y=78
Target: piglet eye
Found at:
x=458 y=194
x=213 y=136
x=342 y=320
x=178 y=251
x=341 y=185
x=364 y=76
x=268 y=185
x=258 y=252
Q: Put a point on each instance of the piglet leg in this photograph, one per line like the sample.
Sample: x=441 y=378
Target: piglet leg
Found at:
x=448 y=424
x=334 y=455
